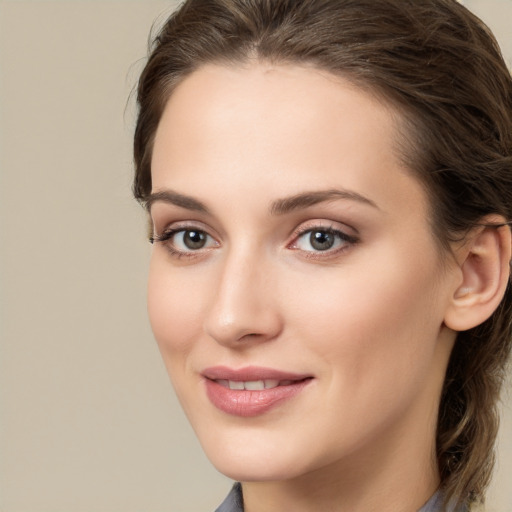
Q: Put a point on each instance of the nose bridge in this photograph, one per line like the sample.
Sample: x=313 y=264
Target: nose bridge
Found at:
x=243 y=306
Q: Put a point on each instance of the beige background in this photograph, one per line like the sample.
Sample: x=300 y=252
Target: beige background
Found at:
x=88 y=420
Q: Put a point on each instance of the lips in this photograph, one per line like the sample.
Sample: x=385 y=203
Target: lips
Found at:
x=251 y=391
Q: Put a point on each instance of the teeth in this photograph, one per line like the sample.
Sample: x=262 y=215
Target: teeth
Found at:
x=254 y=385
x=251 y=385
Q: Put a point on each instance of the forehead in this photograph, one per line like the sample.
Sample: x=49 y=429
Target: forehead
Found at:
x=285 y=100
x=278 y=127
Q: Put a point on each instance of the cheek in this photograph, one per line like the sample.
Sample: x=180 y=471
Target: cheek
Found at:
x=375 y=334
x=174 y=305
x=376 y=319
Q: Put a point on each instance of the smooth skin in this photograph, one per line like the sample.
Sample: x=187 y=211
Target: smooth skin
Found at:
x=349 y=286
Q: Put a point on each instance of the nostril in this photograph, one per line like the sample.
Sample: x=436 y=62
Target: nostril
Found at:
x=251 y=336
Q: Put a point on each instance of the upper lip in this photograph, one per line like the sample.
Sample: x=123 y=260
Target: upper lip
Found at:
x=251 y=373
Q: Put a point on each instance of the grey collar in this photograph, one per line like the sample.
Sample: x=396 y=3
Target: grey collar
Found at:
x=234 y=502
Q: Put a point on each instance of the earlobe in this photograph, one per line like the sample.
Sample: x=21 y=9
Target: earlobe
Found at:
x=484 y=262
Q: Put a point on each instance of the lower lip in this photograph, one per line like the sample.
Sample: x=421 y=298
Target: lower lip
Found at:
x=248 y=403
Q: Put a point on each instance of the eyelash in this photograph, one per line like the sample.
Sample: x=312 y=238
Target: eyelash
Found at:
x=344 y=238
x=167 y=236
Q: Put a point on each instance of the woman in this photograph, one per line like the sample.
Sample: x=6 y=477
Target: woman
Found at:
x=329 y=184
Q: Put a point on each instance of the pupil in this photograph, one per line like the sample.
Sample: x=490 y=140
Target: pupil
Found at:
x=321 y=240
x=194 y=239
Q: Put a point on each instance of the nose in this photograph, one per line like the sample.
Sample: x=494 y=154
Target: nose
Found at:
x=243 y=309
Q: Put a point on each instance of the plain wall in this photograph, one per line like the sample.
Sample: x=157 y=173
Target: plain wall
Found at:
x=88 y=420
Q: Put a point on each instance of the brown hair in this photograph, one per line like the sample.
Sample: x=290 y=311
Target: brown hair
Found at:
x=442 y=68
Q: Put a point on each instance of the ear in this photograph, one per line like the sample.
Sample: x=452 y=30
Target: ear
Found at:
x=484 y=264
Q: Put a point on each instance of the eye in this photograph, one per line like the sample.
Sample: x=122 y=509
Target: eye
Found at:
x=323 y=240
x=190 y=240
x=181 y=241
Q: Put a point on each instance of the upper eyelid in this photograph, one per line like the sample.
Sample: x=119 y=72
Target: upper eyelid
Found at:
x=326 y=224
x=183 y=225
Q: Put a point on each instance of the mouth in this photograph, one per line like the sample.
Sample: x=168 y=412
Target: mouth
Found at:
x=251 y=391
x=253 y=385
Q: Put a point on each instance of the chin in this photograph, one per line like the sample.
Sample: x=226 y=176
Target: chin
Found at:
x=246 y=460
x=241 y=470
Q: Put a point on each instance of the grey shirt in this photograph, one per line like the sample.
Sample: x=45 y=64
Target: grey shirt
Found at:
x=234 y=502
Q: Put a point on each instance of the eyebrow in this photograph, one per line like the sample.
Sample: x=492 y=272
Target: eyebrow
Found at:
x=277 y=207
x=171 y=197
x=306 y=199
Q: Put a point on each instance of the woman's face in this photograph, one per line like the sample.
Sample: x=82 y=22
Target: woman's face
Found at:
x=296 y=291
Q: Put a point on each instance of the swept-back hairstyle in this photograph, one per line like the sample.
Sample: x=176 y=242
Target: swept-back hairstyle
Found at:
x=442 y=70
